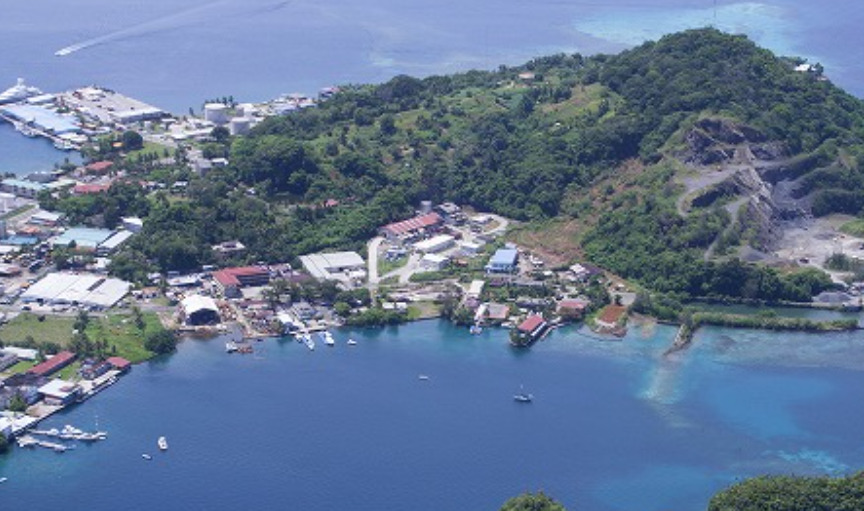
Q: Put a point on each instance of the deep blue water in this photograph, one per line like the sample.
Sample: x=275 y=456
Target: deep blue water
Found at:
x=614 y=426
x=177 y=53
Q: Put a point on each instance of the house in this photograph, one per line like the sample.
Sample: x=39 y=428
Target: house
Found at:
x=231 y=280
x=59 y=392
x=582 y=272
x=503 y=261
x=492 y=313
x=119 y=364
x=529 y=331
x=229 y=248
x=572 y=308
x=53 y=364
x=90 y=188
x=98 y=167
x=475 y=289
x=92 y=369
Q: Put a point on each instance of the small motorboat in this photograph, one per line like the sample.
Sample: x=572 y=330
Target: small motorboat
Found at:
x=162 y=443
x=351 y=342
x=3 y=480
x=328 y=339
x=422 y=377
x=522 y=396
x=147 y=457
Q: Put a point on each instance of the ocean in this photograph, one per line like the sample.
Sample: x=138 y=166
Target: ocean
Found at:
x=176 y=54
x=614 y=425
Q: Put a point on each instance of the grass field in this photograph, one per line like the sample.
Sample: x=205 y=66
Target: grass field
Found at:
x=118 y=329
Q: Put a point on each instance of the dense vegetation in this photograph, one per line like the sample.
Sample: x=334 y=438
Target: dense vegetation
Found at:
x=551 y=138
x=532 y=502
x=792 y=494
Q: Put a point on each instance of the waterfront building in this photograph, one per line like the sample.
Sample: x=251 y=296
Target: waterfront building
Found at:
x=200 y=310
x=529 y=331
x=503 y=261
x=119 y=364
x=60 y=392
x=572 y=308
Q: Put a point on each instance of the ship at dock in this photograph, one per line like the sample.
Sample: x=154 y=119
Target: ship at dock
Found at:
x=18 y=92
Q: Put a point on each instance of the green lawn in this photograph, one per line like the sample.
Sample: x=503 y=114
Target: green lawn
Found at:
x=21 y=367
x=117 y=329
x=385 y=265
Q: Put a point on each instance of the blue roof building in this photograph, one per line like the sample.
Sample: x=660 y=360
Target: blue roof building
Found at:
x=503 y=261
x=84 y=237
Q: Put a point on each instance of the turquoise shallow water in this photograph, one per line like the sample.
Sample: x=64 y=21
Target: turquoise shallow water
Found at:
x=614 y=425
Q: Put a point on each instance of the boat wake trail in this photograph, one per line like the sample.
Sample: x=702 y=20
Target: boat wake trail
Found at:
x=227 y=9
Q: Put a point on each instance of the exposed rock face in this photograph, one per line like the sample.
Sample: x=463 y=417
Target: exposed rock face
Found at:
x=713 y=141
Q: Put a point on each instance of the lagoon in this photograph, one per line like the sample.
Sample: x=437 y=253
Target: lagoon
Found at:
x=614 y=425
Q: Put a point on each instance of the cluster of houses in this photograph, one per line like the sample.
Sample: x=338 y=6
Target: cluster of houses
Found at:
x=40 y=384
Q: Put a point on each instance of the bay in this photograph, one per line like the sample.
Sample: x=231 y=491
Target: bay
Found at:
x=614 y=425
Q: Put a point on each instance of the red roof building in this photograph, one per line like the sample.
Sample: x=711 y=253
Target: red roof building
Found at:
x=99 y=167
x=53 y=364
x=532 y=324
x=412 y=225
x=572 y=307
x=119 y=363
x=230 y=280
x=90 y=188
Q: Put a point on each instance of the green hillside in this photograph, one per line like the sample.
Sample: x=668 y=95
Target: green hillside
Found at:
x=596 y=141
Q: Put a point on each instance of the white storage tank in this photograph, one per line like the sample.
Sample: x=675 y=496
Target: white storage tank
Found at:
x=240 y=125
x=217 y=113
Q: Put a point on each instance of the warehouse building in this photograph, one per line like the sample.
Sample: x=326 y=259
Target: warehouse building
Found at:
x=344 y=266
x=92 y=291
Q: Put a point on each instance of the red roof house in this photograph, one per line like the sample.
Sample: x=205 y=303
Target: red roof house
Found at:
x=119 y=363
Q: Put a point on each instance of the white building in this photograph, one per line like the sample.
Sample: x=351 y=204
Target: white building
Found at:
x=345 y=266
x=71 y=289
x=434 y=262
x=239 y=125
x=435 y=244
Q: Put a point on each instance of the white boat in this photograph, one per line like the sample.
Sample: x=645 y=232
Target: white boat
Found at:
x=147 y=457
x=522 y=396
x=328 y=339
x=3 y=480
x=422 y=377
x=351 y=342
x=162 y=443
x=308 y=341
x=230 y=347
x=18 y=92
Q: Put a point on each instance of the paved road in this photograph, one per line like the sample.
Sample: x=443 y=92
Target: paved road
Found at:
x=372 y=260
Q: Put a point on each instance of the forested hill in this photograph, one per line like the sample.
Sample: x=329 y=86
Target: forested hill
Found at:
x=592 y=139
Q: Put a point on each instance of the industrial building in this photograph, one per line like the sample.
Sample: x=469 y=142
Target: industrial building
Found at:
x=503 y=261
x=418 y=225
x=113 y=242
x=42 y=118
x=231 y=280
x=200 y=310
x=53 y=364
x=83 y=237
x=81 y=290
x=217 y=113
x=434 y=262
x=435 y=244
x=345 y=266
x=60 y=392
